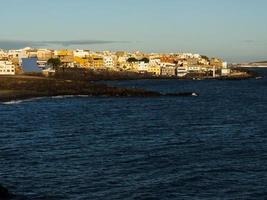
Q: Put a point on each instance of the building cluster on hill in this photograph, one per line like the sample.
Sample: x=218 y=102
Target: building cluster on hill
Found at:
x=156 y=64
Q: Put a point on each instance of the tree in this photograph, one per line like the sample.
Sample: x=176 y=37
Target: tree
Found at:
x=131 y=60
x=55 y=63
x=146 y=60
x=205 y=57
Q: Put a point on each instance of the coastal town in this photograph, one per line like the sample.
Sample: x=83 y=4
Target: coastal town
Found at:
x=179 y=65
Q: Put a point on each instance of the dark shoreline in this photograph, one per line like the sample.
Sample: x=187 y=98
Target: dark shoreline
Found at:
x=13 y=88
x=21 y=87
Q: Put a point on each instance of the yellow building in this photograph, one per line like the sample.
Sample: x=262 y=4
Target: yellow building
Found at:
x=66 y=56
x=84 y=62
x=96 y=61
x=133 y=67
x=155 y=70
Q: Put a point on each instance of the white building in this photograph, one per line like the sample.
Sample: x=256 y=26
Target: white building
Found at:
x=49 y=72
x=143 y=67
x=225 y=71
x=154 y=62
x=182 y=71
x=14 y=53
x=109 y=61
x=225 y=65
x=20 y=53
x=194 y=68
x=7 y=68
x=165 y=64
x=81 y=53
x=122 y=59
x=3 y=54
x=189 y=55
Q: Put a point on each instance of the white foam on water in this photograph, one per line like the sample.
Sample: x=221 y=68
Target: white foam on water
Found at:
x=62 y=96
x=68 y=96
x=13 y=102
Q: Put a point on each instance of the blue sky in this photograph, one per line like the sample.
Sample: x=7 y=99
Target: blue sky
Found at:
x=235 y=30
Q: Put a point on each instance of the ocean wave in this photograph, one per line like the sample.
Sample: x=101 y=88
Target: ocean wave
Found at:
x=14 y=102
x=68 y=96
x=22 y=101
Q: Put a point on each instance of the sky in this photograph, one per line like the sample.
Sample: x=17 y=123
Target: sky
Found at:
x=235 y=30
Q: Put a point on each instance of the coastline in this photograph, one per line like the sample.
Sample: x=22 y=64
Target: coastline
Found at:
x=15 y=88
x=22 y=87
x=25 y=87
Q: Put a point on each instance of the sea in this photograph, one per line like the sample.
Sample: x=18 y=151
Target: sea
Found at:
x=213 y=146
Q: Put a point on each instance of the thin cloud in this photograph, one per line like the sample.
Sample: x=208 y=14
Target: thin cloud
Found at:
x=17 y=44
x=253 y=42
x=249 y=41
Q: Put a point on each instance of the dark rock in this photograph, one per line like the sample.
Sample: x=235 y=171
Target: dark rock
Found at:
x=4 y=193
x=183 y=94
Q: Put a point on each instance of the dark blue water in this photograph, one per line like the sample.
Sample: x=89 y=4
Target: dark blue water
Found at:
x=208 y=147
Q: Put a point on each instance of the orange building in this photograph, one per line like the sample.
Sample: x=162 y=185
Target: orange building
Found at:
x=168 y=59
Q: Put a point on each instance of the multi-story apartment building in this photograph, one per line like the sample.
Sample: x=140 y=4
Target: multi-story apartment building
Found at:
x=109 y=62
x=168 y=70
x=7 y=68
x=182 y=71
x=3 y=54
x=96 y=61
x=83 y=62
x=66 y=56
x=143 y=66
x=44 y=54
x=155 y=70
x=218 y=63
x=81 y=53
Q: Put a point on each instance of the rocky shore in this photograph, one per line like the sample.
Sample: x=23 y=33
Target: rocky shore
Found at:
x=4 y=193
x=25 y=87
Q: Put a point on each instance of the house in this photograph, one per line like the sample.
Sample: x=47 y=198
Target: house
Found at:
x=143 y=66
x=44 y=54
x=225 y=71
x=81 y=53
x=81 y=61
x=14 y=54
x=66 y=56
x=96 y=61
x=182 y=71
x=154 y=69
x=49 y=72
x=130 y=66
x=168 y=70
x=3 y=54
x=42 y=64
x=218 y=63
x=109 y=62
x=194 y=68
x=7 y=68
x=154 y=61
